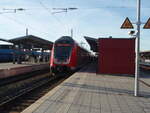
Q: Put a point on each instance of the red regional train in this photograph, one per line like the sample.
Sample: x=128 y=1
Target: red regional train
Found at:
x=67 y=55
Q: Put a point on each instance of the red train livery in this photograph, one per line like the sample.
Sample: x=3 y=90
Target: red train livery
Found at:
x=67 y=55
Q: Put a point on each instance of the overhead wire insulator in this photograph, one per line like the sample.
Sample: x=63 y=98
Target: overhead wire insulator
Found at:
x=20 y=9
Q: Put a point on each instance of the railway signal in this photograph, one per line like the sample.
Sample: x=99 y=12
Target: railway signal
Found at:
x=147 y=25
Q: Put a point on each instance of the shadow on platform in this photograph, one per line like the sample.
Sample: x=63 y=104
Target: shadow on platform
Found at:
x=92 y=68
x=89 y=68
x=107 y=90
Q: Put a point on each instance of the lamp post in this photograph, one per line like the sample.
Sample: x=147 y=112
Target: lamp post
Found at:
x=137 y=69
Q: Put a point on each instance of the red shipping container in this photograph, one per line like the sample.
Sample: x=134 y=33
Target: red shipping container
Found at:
x=116 y=56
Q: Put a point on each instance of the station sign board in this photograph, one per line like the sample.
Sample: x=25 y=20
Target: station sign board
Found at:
x=127 y=24
x=147 y=25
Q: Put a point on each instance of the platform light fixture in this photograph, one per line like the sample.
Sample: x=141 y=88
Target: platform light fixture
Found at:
x=132 y=33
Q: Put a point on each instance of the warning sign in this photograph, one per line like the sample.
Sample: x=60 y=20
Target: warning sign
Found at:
x=127 y=24
x=147 y=25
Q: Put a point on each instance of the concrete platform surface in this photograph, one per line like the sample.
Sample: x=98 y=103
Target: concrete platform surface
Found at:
x=10 y=69
x=11 y=65
x=86 y=92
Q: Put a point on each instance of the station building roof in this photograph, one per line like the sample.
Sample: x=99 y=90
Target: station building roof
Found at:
x=93 y=43
x=31 y=40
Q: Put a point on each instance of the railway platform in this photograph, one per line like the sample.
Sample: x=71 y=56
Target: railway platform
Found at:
x=88 y=92
x=10 y=69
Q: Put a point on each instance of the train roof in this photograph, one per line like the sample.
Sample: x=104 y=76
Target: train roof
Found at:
x=69 y=39
x=65 y=39
x=5 y=43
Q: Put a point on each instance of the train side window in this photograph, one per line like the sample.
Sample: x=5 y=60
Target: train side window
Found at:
x=5 y=47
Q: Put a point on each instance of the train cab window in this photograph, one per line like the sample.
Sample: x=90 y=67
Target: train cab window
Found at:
x=62 y=51
x=63 y=47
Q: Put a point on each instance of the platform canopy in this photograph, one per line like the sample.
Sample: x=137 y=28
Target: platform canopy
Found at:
x=145 y=53
x=33 y=41
x=93 y=43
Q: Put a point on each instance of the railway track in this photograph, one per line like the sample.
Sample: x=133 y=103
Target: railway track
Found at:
x=19 y=85
x=17 y=78
x=29 y=91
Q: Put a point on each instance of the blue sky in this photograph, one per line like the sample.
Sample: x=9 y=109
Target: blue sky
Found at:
x=94 y=18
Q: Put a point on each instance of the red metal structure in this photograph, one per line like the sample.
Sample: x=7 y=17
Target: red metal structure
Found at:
x=116 y=56
x=67 y=55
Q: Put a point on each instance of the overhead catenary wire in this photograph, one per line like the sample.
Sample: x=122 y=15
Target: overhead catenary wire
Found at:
x=39 y=30
x=84 y=8
x=22 y=24
x=48 y=10
x=60 y=22
x=14 y=10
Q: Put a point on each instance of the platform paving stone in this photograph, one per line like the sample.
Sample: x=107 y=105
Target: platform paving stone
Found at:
x=88 y=92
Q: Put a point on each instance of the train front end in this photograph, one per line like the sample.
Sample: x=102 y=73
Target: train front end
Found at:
x=61 y=54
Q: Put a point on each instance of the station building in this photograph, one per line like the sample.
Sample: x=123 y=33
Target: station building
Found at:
x=33 y=47
x=114 y=55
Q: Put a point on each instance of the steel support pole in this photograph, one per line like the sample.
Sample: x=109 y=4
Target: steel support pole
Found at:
x=71 y=33
x=137 y=67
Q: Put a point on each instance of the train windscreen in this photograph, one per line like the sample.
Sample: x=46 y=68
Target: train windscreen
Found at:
x=62 y=52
